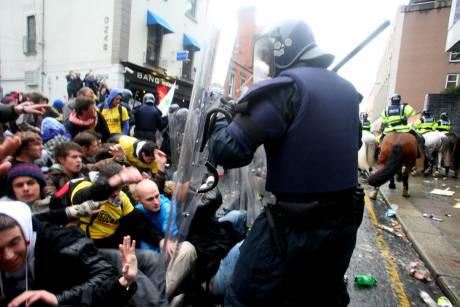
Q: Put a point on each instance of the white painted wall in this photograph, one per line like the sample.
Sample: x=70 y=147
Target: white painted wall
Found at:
x=75 y=35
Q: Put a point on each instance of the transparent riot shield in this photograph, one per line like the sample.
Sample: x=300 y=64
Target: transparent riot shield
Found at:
x=176 y=125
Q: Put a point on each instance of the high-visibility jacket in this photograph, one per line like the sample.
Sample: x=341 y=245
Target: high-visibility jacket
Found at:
x=425 y=124
x=129 y=145
x=366 y=125
x=443 y=126
x=394 y=117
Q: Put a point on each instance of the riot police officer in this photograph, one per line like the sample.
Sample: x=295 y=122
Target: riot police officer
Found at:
x=443 y=124
x=425 y=124
x=365 y=123
x=299 y=248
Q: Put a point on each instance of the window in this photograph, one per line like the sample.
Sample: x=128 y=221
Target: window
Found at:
x=31 y=39
x=190 y=8
x=187 y=65
x=451 y=80
x=454 y=57
x=154 y=41
x=231 y=85
x=242 y=81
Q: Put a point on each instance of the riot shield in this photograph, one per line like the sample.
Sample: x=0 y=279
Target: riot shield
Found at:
x=176 y=125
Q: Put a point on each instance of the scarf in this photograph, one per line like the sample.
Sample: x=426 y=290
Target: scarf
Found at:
x=89 y=123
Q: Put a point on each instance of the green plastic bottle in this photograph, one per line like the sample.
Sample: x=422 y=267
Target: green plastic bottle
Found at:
x=365 y=281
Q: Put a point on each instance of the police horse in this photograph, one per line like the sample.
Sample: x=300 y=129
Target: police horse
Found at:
x=366 y=154
x=398 y=150
x=437 y=151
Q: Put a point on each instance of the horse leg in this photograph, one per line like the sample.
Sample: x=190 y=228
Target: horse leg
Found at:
x=373 y=194
x=392 y=183
x=399 y=176
x=405 y=180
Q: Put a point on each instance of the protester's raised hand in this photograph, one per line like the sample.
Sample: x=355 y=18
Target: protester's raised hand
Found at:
x=127 y=175
x=117 y=152
x=31 y=108
x=8 y=148
x=30 y=297
x=128 y=261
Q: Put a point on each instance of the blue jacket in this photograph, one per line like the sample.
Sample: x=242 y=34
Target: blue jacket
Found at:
x=160 y=220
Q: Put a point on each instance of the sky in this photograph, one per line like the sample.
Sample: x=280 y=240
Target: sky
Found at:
x=338 y=25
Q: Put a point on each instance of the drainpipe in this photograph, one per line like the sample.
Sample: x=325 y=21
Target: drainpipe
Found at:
x=42 y=43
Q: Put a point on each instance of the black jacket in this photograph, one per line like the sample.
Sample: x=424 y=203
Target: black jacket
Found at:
x=148 y=120
x=69 y=266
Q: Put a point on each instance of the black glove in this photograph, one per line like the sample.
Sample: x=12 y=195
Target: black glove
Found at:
x=228 y=105
x=209 y=204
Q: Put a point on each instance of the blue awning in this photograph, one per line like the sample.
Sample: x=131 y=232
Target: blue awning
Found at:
x=191 y=42
x=153 y=19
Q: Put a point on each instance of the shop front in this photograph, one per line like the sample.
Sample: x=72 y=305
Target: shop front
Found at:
x=141 y=80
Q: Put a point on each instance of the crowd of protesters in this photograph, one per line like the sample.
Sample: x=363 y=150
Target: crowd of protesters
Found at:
x=86 y=200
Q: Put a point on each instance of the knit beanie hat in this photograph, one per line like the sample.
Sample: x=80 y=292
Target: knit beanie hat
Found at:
x=26 y=169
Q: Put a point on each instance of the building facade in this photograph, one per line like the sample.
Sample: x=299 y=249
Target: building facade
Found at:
x=145 y=46
x=415 y=62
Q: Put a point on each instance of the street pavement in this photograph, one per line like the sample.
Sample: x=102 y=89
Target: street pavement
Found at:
x=437 y=242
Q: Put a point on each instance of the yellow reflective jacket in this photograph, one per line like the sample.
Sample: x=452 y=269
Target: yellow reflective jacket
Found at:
x=129 y=144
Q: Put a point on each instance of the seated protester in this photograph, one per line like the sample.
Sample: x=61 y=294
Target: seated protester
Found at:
x=117 y=217
x=55 y=265
x=70 y=105
x=53 y=133
x=141 y=154
x=31 y=122
x=30 y=149
x=156 y=207
x=115 y=114
x=86 y=117
x=68 y=156
x=89 y=142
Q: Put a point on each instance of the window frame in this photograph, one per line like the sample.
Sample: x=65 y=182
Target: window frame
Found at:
x=454 y=60
x=192 y=12
x=31 y=36
x=187 y=65
x=155 y=35
x=449 y=81
x=231 y=84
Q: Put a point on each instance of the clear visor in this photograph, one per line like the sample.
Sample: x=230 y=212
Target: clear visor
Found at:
x=264 y=61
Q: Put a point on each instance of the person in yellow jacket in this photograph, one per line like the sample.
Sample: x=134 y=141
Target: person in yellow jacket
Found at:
x=425 y=124
x=142 y=154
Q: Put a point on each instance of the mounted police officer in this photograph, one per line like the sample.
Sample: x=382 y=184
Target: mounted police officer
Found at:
x=395 y=118
x=299 y=248
x=426 y=123
x=443 y=124
x=365 y=123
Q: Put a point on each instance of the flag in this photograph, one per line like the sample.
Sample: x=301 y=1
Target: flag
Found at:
x=165 y=103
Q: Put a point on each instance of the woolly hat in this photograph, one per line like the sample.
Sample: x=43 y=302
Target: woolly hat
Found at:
x=26 y=169
x=58 y=104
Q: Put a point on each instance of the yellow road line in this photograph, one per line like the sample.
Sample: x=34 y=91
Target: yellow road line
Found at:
x=390 y=264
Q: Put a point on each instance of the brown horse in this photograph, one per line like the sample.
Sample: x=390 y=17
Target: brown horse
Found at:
x=398 y=150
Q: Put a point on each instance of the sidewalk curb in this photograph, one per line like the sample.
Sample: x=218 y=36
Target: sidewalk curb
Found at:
x=449 y=283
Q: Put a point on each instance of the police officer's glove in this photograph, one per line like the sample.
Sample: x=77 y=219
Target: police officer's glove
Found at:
x=209 y=204
x=84 y=209
x=228 y=106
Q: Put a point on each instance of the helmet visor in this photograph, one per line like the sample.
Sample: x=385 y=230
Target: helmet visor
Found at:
x=264 y=60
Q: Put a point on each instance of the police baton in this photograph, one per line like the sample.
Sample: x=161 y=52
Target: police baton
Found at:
x=362 y=45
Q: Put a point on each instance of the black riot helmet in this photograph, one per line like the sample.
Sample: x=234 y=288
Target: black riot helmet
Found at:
x=126 y=95
x=284 y=45
x=426 y=113
x=365 y=115
x=443 y=115
x=148 y=98
x=395 y=98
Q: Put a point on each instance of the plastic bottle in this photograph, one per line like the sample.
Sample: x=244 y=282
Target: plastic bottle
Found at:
x=365 y=281
x=427 y=299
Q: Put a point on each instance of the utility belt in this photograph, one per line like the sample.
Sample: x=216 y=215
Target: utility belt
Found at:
x=398 y=123
x=326 y=211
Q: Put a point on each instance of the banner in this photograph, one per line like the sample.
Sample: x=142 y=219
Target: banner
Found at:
x=165 y=103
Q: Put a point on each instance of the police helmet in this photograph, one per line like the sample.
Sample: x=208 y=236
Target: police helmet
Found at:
x=395 y=98
x=365 y=114
x=126 y=95
x=443 y=115
x=426 y=113
x=148 y=98
x=285 y=44
x=173 y=108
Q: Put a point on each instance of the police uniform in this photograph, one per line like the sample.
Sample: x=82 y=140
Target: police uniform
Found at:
x=366 y=124
x=395 y=116
x=425 y=124
x=443 y=125
x=312 y=173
